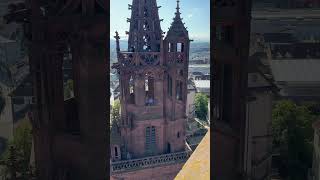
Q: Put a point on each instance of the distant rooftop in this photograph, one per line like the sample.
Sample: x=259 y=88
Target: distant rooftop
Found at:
x=202 y=83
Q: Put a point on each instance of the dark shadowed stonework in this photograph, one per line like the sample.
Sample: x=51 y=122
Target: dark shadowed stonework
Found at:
x=231 y=21
x=69 y=134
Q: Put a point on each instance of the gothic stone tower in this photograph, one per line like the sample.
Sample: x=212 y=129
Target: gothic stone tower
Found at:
x=231 y=26
x=153 y=81
x=69 y=133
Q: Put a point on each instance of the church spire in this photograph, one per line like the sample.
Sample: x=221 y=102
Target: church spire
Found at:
x=177 y=26
x=145 y=31
x=178 y=8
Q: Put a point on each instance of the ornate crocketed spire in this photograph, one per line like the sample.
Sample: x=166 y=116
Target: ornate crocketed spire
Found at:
x=177 y=27
x=145 y=31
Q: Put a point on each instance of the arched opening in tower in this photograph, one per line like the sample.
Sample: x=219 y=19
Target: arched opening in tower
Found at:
x=149 y=89
x=131 y=90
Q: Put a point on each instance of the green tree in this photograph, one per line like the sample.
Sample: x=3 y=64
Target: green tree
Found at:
x=293 y=136
x=201 y=106
x=17 y=156
x=115 y=112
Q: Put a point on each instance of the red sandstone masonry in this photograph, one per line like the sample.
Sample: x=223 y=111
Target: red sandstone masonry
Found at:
x=167 y=172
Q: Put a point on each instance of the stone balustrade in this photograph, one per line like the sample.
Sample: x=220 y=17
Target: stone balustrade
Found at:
x=147 y=162
x=128 y=59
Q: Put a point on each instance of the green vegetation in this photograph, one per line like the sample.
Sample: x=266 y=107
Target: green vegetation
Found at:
x=16 y=158
x=115 y=112
x=201 y=106
x=293 y=137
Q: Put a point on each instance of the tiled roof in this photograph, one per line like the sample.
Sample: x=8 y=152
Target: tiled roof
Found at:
x=202 y=83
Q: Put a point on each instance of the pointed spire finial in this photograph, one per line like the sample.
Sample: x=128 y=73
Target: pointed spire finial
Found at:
x=117 y=37
x=178 y=7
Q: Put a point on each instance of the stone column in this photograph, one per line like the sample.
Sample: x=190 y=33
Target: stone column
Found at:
x=93 y=105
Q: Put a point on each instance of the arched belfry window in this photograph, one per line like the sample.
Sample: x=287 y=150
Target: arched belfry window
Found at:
x=179 y=90
x=149 y=89
x=170 y=47
x=116 y=153
x=180 y=47
x=131 y=90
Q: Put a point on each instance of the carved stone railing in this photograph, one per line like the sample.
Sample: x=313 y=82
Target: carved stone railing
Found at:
x=175 y=58
x=148 y=162
x=127 y=59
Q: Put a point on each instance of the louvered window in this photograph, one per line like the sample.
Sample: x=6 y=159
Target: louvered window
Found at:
x=150 y=140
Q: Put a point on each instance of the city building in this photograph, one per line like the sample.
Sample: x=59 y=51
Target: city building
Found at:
x=149 y=140
x=303 y=23
x=192 y=90
x=202 y=86
x=297 y=79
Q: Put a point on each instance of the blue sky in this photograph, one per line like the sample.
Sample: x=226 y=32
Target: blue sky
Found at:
x=195 y=14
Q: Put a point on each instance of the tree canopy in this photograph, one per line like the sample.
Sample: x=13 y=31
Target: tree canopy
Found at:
x=17 y=155
x=293 y=136
x=201 y=106
x=115 y=112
